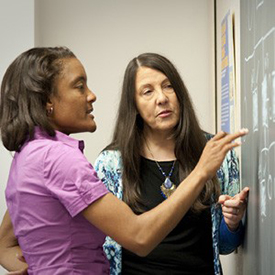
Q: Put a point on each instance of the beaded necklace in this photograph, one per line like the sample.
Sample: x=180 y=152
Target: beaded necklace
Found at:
x=168 y=187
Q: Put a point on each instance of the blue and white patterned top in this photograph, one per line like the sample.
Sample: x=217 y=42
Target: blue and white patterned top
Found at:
x=109 y=169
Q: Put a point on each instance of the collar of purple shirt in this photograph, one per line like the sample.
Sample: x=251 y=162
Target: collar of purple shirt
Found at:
x=59 y=136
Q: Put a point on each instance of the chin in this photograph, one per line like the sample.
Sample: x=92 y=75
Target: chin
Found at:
x=93 y=129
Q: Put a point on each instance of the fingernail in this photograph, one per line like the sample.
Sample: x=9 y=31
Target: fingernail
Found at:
x=244 y=130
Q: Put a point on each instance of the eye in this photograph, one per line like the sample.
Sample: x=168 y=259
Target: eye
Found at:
x=147 y=92
x=80 y=86
x=168 y=86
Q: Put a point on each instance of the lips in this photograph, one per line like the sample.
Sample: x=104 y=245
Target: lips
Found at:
x=164 y=113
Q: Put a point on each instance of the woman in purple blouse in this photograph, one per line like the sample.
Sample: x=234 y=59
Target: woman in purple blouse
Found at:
x=58 y=209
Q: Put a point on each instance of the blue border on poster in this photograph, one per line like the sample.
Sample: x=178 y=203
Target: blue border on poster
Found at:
x=225 y=80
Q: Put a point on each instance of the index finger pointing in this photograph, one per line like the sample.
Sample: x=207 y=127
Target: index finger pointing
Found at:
x=243 y=194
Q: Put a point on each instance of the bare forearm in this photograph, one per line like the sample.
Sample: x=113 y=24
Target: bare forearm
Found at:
x=141 y=233
x=9 y=247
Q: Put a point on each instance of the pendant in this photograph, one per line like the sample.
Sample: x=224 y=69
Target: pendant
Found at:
x=167 y=188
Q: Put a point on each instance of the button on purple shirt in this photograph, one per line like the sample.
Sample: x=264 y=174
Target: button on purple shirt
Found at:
x=50 y=183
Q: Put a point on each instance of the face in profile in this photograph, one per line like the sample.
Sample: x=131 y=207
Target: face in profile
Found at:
x=72 y=100
x=156 y=101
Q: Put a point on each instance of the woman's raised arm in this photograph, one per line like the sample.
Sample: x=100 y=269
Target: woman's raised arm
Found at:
x=141 y=233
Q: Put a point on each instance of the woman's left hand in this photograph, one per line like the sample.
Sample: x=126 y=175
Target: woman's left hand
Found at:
x=233 y=208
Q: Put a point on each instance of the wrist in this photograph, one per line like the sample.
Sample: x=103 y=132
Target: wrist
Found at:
x=233 y=228
x=201 y=174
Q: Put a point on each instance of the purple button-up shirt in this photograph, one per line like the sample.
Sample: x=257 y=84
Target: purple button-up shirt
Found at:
x=50 y=183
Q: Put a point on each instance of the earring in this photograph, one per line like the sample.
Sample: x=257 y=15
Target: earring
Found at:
x=49 y=111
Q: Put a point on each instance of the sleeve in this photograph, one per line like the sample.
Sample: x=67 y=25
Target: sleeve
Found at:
x=108 y=167
x=71 y=179
x=229 y=240
x=230 y=185
x=231 y=168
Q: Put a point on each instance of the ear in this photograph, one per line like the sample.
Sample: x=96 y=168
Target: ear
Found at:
x=49 y=107
x=49 y=104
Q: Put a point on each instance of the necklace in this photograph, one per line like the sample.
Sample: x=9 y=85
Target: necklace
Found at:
x=168 y=187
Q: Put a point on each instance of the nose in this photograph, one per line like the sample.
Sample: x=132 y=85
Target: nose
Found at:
x=91 y=97
x=161 y=97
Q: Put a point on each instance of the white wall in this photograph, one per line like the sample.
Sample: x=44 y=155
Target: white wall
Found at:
x=17 y=35
x=106 y=35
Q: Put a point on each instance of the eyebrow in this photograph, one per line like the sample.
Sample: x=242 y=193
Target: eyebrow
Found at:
x=79 y=78
x=148 y=84
x=166 y=80
x=144 y=86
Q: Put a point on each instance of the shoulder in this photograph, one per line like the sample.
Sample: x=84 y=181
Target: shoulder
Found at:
x=109 y=160
x=50 y=151
x=109 y=154
x=108 y=166
x=208 y=136
x=51 y=146
x=68 y=155
x=63 y=160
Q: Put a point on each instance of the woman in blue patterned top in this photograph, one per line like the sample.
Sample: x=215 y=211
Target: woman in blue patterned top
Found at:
x=157 y=142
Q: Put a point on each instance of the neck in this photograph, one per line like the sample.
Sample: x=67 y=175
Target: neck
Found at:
x=158 y=147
